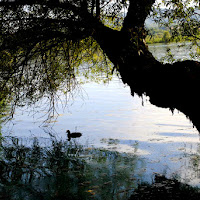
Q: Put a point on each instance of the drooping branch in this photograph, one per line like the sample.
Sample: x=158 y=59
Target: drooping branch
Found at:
x=67 y=21
x=60 y=29
x=74 y=23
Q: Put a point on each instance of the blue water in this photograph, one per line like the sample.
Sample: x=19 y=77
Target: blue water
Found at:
x=167 y=142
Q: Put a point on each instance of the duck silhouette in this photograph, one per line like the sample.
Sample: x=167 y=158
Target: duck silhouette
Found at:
x=73 y=135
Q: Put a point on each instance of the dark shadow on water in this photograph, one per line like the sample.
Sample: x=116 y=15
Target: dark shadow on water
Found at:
x=165 y=189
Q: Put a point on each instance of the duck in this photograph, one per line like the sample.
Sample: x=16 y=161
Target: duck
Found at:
x=73 y=135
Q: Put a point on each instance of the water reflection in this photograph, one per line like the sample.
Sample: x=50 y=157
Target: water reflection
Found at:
x=112 y=119
x=153 y=140
x=65 y=170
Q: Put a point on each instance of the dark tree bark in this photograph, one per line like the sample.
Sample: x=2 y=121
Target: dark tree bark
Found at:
x=98 y=9
x=173 y=86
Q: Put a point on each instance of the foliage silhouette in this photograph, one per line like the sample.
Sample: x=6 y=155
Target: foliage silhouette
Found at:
x=43 y=43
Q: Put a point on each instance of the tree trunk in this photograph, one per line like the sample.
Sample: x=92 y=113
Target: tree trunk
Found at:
x=173 y=86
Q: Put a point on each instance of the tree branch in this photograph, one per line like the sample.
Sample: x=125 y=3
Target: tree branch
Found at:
x=98 y=9
x=137 y=13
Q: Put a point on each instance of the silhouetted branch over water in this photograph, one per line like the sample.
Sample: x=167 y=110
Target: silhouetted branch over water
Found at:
x=43 y=45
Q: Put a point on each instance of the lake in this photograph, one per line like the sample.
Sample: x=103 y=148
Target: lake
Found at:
x=109 y=117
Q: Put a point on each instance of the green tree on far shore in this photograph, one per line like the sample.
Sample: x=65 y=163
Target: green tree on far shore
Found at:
x=166 y=37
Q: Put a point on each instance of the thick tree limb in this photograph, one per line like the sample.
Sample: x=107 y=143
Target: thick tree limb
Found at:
x=172 y=86
x=137 y=13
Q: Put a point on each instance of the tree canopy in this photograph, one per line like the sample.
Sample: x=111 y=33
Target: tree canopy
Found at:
x=44 y=44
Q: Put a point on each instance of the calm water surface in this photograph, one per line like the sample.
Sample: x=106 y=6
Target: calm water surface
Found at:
x=109 y=117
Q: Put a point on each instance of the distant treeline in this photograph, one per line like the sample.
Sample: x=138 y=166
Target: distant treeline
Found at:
x=158 y=35
x=155 y=34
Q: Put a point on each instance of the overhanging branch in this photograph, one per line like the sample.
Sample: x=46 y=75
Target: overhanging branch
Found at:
x=137 y=13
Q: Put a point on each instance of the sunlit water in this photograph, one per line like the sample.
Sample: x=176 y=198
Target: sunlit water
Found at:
x=109 y=117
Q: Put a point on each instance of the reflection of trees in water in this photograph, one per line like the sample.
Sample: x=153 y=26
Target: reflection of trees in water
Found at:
x=4 y=110
x=64 y=171
x=189 y=162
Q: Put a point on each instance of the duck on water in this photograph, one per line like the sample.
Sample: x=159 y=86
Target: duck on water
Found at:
x=73 y=135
